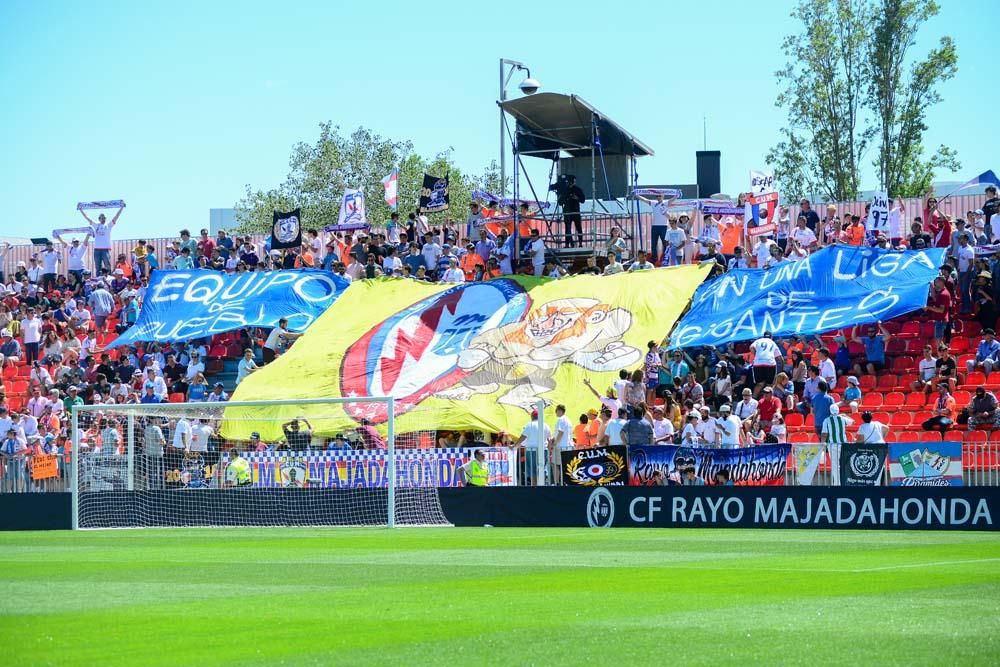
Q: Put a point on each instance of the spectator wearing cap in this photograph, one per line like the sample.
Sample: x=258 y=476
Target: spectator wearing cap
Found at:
x=833 y=432
x=746 y=409
x=218 y=394
x=987 y=353
x=451 y=274
x=853 y=391
x=10 y=349
x=730 y=428
x=983 y=411
x=663 y=428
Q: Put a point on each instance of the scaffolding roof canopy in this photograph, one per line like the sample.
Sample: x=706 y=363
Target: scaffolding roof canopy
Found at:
x=551 y=122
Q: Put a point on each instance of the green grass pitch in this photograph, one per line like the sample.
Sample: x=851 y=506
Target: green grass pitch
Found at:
x=498 y=596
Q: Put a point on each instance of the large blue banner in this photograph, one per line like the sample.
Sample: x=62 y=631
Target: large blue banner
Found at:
x=833 y=288
x=747 y=466
x=182 y=305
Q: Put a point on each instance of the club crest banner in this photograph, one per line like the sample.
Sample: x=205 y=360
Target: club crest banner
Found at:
x=434 y=194
x=925 y=464
x=181 y=305
x=833 y=288
x=747 y=466
x=473 y=356
x=352 y=210
x=862 y=465
x=600 y=466
x=286 y=230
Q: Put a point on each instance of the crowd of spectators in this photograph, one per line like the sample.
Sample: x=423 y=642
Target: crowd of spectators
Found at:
x=55 y=321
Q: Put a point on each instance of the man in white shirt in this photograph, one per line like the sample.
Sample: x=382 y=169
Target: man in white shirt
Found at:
x=896 y=224
x=200 y=434
x=529 y=440
x=50 y=258
x=246 y=366
x=730 y=428
x=640 y=263
x=766 y=354
x=453 y=274
x=182 y=434
x=536 y=249
x=965 y=253
x=827 y=370
x=563 y=440
x=102 y=238
x=194 y=367
x=663 y=429
x=157 y=383
x=747 y=408
x=762 y=250
x=431 y=252
x=31 y=330
x=871 y=432
x=34 y=274
x=614 y=266
x=613 y=431
x=37 y=404
x=802 y=235
x=277 y=334
x=706 y=427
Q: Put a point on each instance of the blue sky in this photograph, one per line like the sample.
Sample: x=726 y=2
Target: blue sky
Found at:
x=175 y=107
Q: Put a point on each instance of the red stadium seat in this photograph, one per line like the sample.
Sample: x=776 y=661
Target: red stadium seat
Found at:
x=904 y=365
x=972 y=329
x=896 y=347
x=976 y=436
x=794 y=419
x=19 y=387
x=176 y=398
x=906 y=379
x=872 y=400
x=959 y=346
x=23 y=371
x=881 y=416
x=909 y=330
x=927 y=330
x=9 y=372
x=888 y=382
x=842 y=382
x=801 y=438
x=916 y=399
x=929 y=436
x=908 y=436
x=217 y=351
x=962 y=398
x=866 y=382
x=856 y=349
x=810 y=421
x=234 y=350
x=16 y=403
x=894 y=399
x=900 y=418
x=976 y=378
x=921 y=416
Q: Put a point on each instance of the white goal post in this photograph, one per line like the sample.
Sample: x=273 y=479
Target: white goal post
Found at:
x=178 y=464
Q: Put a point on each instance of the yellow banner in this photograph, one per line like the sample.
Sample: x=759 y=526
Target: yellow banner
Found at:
x=476 y=356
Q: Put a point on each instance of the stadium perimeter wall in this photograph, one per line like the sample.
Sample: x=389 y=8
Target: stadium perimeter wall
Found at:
x=899 y=508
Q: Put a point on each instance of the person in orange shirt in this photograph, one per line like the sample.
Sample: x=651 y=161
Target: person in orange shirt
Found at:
x=593 y=427
x=731 y=233
x=125 y=266
x=468 y=262
x=305 y=260
x=492 y=269
x=582 y=434
x=855 y=232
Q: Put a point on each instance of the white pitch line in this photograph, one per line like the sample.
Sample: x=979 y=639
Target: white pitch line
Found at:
x=934 y=564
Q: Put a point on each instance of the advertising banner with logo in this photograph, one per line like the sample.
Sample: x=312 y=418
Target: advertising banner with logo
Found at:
x=925 y=464
x=181 y=305
x=474 y=356
x=833 y=288
x=862 y=465
x=600 y=466
x=747 y=466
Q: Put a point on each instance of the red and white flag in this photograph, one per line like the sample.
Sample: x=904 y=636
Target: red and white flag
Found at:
x=390 y=184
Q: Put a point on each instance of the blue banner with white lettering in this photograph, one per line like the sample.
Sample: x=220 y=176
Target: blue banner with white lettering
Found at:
x=833 y=288
x=183 y=305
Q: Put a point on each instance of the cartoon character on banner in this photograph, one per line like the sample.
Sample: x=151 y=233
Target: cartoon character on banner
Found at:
x=293 y=473
x=352 y=209
x=193 y=471
x=522 y=358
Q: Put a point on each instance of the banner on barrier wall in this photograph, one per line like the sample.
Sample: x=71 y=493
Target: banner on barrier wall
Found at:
x=833 y=288
x=341 y=469
x=747 y=466
x=925 y=464
x=181 y=305
x=477 y=356
x=862 y=465
x=44 y=466
x=599 y=466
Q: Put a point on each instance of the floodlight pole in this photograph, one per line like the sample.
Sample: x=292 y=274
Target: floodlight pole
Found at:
x=505 y=75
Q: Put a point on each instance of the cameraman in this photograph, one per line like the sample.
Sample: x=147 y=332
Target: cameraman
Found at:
x=570 y=199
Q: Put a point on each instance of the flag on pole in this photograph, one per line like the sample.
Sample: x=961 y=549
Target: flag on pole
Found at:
x=985 y=178
x=352 y=209
x=390 y=183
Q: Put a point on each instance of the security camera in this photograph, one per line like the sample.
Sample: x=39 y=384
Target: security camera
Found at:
x=530 y=86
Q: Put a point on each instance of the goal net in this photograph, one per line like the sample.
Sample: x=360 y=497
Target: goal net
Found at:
x=319 y=462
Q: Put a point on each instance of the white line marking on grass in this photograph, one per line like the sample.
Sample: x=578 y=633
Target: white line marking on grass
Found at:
x=936 y=563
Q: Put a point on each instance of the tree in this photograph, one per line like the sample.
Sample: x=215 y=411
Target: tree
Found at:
x=899 y=97
x=823 y=90
x=849 y=85
x=320 y=172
